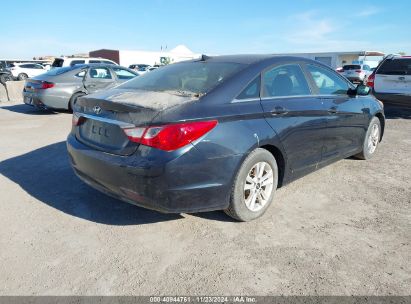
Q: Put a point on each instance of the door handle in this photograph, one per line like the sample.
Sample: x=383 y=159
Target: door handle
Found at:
x=91 y=85
x=332 y=110
x=401 y=78
x=278 y=110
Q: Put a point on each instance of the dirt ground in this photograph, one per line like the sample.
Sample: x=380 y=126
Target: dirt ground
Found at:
x=344 y=230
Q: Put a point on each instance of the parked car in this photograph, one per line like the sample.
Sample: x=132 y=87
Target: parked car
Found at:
x=71 y=61
x=22 y=71
x=220 y=132
x=140 y=68
x=356 y=73
x=60 y=88
x=391 y=81
x=5 y=74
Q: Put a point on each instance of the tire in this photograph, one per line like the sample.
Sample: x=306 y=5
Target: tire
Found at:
x=73 y=100
x=371 y=140
x=22 y=76
x=241 y=199
x=4 y=78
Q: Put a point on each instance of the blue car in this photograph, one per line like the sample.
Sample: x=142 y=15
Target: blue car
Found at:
x=220 y=133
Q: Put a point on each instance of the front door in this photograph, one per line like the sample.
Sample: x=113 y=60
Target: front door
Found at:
x=346 y=121
x=298 y=117
x=97 y=79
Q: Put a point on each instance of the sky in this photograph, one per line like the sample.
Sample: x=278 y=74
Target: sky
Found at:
x=38 y=28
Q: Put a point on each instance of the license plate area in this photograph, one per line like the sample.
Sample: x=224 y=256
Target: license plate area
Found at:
x=102 y=135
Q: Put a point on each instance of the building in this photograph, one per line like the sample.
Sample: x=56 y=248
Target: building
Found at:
x=338 y=59
x=126 y=58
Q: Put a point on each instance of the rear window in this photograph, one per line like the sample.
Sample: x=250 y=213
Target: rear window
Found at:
x=193 y=77
x=58 y=63
x=395 y=67
x=352 y=67
x=58 y=71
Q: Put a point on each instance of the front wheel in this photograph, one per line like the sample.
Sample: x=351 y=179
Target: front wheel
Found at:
x=254 y=186
x=371 y=140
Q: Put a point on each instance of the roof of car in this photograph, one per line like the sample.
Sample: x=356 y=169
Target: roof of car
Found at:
x=246 y=58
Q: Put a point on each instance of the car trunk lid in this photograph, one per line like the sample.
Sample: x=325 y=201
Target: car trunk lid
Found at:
x=105 y=115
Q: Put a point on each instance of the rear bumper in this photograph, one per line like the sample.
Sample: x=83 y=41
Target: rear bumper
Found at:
x=395 y=99
x=46 y=100
x=188 y=183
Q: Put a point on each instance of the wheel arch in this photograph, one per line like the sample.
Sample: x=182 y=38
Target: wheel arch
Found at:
x=79 y=92
x=281 y=162
x=380 y=116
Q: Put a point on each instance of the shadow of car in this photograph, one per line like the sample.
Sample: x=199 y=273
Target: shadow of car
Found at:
x=46 y=175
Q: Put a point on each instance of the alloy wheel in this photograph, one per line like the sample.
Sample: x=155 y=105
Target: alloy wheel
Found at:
x=258 y=186
x=373 y=138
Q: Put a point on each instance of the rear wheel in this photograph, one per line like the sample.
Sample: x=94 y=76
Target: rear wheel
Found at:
x=254 y=186
x=73 y=100
x=22 y=76
x=371 y=140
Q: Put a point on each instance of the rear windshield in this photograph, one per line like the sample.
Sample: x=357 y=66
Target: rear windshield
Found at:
x=352 y=67
x=59 y=71
x=190 y=77
x=57 y=63
x=395 y=67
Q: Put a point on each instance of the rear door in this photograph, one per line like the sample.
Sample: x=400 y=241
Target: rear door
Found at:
x=98 y=79
x=394 y=76
x=346 y=122
x=298 y=117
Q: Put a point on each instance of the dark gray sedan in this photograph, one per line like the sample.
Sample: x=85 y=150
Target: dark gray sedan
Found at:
x=60 y=88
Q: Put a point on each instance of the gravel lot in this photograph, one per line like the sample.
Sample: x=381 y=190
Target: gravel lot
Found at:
x=344 y=230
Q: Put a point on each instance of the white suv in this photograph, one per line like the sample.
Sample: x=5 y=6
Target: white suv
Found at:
x=391 y=81
x=22 y=71
x=72 y=61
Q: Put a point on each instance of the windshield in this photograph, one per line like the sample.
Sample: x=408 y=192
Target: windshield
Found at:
x=184 y=78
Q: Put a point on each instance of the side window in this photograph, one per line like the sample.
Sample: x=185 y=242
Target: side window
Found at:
x=99 y=73
x=107 y=62
x=123 y=74
x=285 y=80
x=252 y=90
x=94 y=61
x=327 y=82
x=74 y=62
x=366 y=67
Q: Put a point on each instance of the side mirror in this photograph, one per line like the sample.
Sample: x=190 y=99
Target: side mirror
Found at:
x=360 y=90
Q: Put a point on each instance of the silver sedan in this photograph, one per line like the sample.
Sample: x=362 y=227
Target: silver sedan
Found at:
x=60 y=88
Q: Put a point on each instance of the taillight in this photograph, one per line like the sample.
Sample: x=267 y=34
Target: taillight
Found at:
x=370 y=80
x=170 y=137
x=46 y=85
